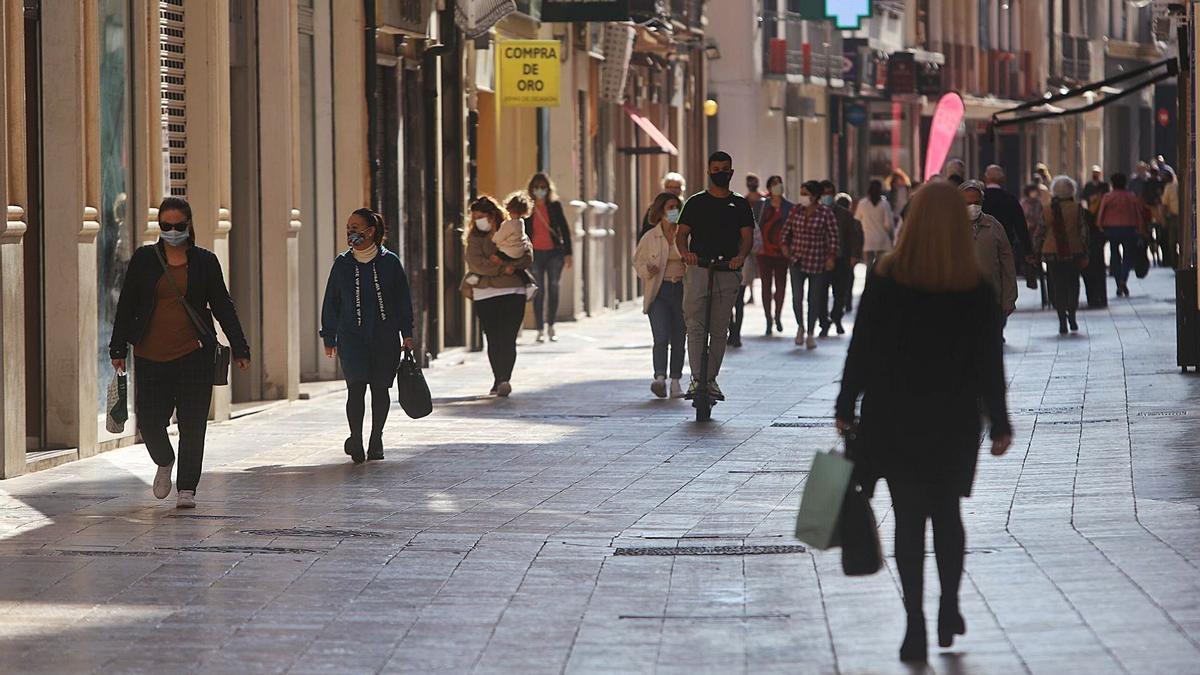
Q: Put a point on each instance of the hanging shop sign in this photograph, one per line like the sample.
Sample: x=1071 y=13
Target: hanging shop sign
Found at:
x=566 y=11
x=529 y=73
x=845 y=14
x=408 y=17
x=947 y=119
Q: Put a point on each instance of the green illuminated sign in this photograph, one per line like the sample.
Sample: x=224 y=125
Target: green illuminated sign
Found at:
x=845 y=14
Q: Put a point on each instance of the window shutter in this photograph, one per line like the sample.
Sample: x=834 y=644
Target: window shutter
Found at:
x=173 y=92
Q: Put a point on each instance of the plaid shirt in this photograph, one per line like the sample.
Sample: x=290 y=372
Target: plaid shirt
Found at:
x=811 y=240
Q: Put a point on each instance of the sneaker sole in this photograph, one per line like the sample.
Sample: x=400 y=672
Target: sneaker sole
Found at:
x=659 y=390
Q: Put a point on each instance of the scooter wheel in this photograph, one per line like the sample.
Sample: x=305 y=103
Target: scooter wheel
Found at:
x=703 y=412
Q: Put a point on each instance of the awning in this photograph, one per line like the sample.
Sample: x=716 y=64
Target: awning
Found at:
x=1096 y=95
x=662 y=144
x=476 y=17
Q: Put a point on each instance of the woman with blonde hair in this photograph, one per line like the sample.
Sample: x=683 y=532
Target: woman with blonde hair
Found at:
x=660 y=266
x=926 y=358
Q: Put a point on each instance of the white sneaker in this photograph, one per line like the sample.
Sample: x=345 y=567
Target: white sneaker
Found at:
x=659 y=386
x=799 y=337
x=812 y=343
x=550 y=333
x=186 y=499
x=503 y=389
x=162 y=481
x=541 y=337
x=676 y=388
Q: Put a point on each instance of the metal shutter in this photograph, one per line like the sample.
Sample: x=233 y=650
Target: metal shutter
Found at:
x=174 y=110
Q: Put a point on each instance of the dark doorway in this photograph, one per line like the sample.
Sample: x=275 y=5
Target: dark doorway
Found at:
x=35 y=371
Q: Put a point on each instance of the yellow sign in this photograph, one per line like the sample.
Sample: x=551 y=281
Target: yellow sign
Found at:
x=529 y=73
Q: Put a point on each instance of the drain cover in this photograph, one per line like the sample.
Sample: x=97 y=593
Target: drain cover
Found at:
x=103 y=553
x=237 y=549
x=802 y=425
x=1051 y=410
x=714 y=617
x=562 y=417
x=709 y=550
x=773 y=471
x=203 y=516
x=314 y=532
x=1104 y=421
x=1163 y=413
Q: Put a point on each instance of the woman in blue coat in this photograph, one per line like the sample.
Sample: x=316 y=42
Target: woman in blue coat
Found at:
x=367 y=309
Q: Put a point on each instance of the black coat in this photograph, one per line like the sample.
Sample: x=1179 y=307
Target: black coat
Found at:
x=560 y=230
x=926 y=364
x=1006 y=208
x=205 y=289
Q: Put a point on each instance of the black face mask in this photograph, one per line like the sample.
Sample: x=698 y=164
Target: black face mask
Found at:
x=721 y=179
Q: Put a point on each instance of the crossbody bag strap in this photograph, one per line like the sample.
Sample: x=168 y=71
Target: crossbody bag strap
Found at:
x=201 y=331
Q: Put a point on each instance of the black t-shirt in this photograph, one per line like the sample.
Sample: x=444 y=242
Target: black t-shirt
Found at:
x=716 y=224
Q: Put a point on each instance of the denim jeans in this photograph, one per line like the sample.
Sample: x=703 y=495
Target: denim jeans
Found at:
x=547 y=270
x=818 y=297
x=667 y=326
x=1125 y=237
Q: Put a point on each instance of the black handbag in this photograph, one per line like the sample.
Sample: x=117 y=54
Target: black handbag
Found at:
x=862 y=554
x=221 y=353
x=412 y=390
x=1141 y=260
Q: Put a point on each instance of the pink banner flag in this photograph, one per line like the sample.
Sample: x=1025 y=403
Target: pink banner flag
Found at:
x=946 y=120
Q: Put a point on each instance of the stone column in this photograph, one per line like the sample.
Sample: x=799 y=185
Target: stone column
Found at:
x=206 y=45
x=279 y=185
x=13 y=194
x=70 y=119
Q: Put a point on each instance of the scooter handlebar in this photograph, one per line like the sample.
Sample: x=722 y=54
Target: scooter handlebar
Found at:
x=719 y=264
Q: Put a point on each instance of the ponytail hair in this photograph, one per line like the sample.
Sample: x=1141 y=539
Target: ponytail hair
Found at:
x=376 y=220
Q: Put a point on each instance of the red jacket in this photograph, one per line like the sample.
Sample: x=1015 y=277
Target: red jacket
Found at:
x=1121 y=208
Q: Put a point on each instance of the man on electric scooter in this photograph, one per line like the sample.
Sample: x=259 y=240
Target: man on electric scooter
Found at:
x=716 y=224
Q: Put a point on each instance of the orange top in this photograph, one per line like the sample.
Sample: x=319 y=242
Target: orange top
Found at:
x=169 y=334
x=542 y=241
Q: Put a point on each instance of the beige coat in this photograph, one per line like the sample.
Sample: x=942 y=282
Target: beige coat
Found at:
x=652 y=251
x=478 y=250
x=996 y=261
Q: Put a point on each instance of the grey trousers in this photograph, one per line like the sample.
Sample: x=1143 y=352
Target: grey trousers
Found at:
x=726 y=288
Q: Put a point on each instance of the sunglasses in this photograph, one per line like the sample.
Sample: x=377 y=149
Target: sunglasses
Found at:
x=182 y=225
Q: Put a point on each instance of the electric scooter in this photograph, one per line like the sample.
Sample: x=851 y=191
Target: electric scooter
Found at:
x=703 y=400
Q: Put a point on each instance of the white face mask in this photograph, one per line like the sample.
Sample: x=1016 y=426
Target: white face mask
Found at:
x=673 y=215
x=777 y=190
x=974 y=211
x=540 y=193
x=805 y=201
x=483 y=224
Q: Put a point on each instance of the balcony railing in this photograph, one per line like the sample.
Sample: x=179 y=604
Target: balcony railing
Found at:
x=1076 y=59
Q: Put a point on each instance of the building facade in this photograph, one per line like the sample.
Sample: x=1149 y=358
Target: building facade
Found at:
x=276 y=119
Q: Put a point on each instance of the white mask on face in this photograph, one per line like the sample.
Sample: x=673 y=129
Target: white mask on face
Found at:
x=777 y=190
x=483 y=224
x=974 y=211
x=805 y=201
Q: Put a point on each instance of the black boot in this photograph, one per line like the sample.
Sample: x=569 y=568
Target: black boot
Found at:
x=1062 y=323
x=1071 y=321
x=950 y=623
x=915 y=646
x=375 y=447
x=354 y=448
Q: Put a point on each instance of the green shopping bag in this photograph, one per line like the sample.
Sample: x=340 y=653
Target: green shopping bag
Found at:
x=816 y=523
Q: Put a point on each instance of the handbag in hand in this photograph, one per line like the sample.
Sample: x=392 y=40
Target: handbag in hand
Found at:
x=116 y=407
x=412 y=390
x=221 y=353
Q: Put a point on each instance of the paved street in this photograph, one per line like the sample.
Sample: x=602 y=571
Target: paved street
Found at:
x=487 y=541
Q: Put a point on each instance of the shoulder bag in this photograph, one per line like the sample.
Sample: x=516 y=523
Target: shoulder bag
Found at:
x=413 y=392
x=220 y=352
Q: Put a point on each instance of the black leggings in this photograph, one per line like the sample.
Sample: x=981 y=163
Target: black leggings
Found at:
x=501 y=319
x=356 y=408
x=913 y=504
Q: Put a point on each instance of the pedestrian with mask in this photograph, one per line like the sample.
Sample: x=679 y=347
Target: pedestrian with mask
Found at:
x=675 y=184
x=773 y=263
x=1062 y=246
x=498 y=290
x=172 y=291
x=810 y=237
x=716 y=224
x=850 y=251
x=661 y=268
x=926 y=359
x=875 y=214
x=992 y=251
x=366 y=316
x=547 y=228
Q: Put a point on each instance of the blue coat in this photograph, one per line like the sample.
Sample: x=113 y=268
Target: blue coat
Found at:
x=367 y=337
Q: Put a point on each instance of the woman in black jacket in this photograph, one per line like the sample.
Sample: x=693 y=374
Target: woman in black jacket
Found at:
x=173 y=356
x=551 y=237
x=926 y=357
